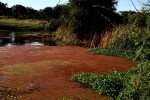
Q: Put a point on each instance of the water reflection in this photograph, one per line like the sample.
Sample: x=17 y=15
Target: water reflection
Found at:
x=12 y=35
x=11 y=38
x=35 y=43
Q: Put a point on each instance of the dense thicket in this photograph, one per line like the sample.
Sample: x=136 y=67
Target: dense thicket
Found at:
x=3 y=8
x=131 y=41
x=22 y=12
x=92 y=16
x=137 y=18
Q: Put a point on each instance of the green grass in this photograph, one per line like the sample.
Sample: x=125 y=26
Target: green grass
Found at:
x=15 y=24
x=114 y=52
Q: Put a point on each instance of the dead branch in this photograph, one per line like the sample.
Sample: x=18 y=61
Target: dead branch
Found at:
x=134 y=5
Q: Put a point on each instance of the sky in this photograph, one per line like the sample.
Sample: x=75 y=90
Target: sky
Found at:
x=126 y=5
x=123 y=5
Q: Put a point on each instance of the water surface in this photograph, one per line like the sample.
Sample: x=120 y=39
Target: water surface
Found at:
x=11 y=38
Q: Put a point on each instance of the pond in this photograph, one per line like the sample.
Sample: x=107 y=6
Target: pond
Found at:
x=11 y=38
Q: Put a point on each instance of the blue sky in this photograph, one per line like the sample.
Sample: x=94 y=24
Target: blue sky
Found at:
x=123 y=5
x=127 y=4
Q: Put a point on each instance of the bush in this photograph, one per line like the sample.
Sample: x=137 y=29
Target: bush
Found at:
x=123 y=37
x=64 y=37
x=148 y=22
x=129 y=54
x=53 y=25
x=132 y=85
x=137 y=87
x=143 y=48
x=109 y=85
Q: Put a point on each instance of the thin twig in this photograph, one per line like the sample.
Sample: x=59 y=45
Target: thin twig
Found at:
x=107 y=19
x=134 y=5
x=101 y=7
x=102 y=14
x=58 y=2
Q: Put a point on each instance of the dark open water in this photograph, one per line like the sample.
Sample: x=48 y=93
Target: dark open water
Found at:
x=11 y=38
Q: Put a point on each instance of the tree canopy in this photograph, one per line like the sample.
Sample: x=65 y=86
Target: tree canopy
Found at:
x=92 y=16
x=3 y=8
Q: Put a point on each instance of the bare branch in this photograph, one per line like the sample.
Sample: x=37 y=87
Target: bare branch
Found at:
x=101 y=7
x=58 y=2
x=107 y=19
x=134 y=5
x=102 y=14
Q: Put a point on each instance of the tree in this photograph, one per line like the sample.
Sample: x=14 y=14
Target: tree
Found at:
x=91 y=16
x=41 y=14
x=31 y=13
x=48 y=13
x=146 y=7
x=3 y=8
x=19 y=11
x=60 y=10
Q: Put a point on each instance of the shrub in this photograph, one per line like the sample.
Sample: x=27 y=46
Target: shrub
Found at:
x=137 y=87
x=132 y=85
x=123 y=37
x=109 y=85
x=53 y=25
x=64 y=37
x=143 y=48
x=129 y=54
x=148 y=22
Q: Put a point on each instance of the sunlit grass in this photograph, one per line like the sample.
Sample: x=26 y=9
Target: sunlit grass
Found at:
x=21 y=24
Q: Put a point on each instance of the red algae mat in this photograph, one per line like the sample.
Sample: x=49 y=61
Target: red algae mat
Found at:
x=45 y=72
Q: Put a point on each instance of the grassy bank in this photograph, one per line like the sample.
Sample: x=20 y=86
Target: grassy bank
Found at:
x=133 y=84
x=15 y=24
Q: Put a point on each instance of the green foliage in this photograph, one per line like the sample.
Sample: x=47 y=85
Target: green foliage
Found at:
x=64 y=37
x=138 y=19
x=143 y=48
x=21 y=24
x=137 y=87
x=132 y=85
x=31 y=13
x=124 y=37
x=129 y=54
x=3 y=8
x=53 y=25
x=19 y=11
x=148 y=22
x=90 y=16
x=48 y=13
x=106 y=84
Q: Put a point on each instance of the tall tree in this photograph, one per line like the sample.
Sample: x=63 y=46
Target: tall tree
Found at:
x=31 y=13
x=91 y=16
x=48 y=13
x=19 y=11
x=3 y=8
x=60 y=10
x=146 y=7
